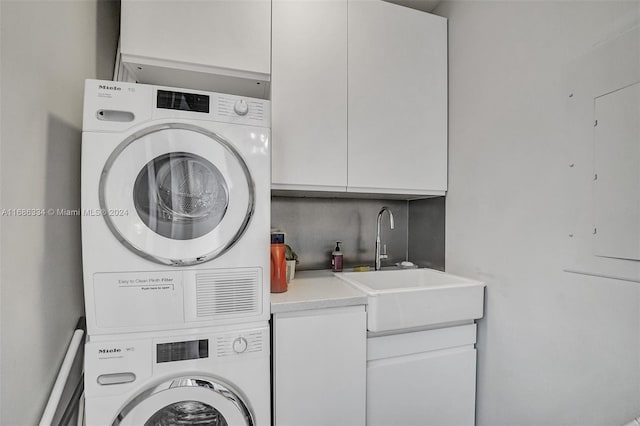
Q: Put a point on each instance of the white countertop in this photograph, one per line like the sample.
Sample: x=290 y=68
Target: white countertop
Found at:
x=316 y=290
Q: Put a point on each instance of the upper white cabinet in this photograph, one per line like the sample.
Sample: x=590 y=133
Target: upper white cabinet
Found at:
x=221 y=45
x=359 y=98
x=309 y=95
x=397 y=100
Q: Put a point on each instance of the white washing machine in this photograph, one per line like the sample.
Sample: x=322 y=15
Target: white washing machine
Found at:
x=175 y=208
x=218 y=377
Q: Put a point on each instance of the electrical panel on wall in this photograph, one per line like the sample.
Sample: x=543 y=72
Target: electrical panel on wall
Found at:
x=221 y=46
x=603 y=168
x=617 y=174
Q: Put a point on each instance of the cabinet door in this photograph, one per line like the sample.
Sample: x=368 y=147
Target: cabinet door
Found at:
x=397 y=70
x=320 y=367
x=309 y=95
x=433 y=388
x=224 y=34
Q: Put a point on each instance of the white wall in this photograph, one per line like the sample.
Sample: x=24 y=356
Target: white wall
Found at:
x=554 y=348
x=1 y=204
x=47 y=50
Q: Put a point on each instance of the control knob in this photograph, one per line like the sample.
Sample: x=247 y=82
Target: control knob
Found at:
x=240 y=345
x=241 y=107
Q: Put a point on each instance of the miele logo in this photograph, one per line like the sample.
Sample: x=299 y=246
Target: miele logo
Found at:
x=109 y=351
x=104 y=87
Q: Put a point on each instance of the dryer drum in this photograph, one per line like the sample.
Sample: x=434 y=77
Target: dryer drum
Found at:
x=223 y=406
x=187 y=413
x=190 y=187
x=181 y=195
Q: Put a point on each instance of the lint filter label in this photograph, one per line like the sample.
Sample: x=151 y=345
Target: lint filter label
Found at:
x=144 y=281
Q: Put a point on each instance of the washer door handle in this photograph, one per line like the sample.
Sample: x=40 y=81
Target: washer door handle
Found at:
x=116 y=378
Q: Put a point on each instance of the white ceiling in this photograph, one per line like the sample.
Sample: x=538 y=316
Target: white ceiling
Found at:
x=425 y=5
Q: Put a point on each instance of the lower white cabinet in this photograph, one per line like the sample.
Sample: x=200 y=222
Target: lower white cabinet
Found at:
x=319 y=367
x=422 y=378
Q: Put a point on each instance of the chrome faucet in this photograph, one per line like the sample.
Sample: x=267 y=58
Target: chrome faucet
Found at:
x=380 y=256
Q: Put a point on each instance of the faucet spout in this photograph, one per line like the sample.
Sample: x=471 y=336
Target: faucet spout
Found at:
x=380 y=256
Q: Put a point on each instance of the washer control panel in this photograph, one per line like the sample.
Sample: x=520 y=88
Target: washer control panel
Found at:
x=117 y=106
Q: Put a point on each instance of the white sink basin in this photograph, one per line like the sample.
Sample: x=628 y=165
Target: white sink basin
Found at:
x=409 y=298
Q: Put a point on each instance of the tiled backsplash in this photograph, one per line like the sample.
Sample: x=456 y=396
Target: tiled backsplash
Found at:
x=313 y=225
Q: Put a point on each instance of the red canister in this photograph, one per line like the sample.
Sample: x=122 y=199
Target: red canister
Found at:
x=278 y=264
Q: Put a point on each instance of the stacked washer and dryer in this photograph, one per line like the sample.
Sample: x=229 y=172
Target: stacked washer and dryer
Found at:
x=175 y=237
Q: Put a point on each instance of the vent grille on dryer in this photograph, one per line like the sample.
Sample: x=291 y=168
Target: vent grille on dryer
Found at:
x=226 y=293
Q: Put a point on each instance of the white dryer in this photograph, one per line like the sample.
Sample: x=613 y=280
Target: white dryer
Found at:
x=216 y=377
x=175 y=208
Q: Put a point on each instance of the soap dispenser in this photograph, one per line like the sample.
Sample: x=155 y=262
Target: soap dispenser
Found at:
x=336 y=258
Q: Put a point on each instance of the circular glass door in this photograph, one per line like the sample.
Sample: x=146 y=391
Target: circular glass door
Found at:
x=186 y=401
x=184 y=192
